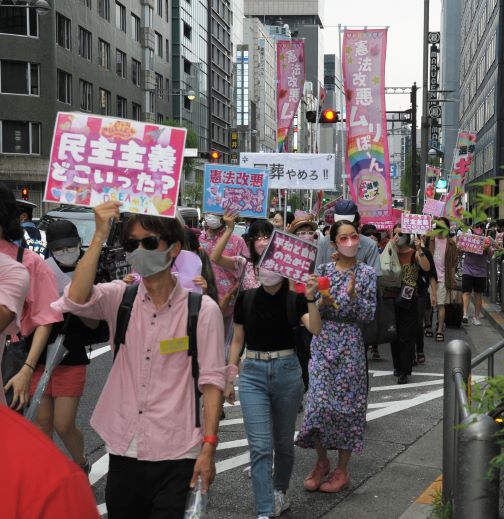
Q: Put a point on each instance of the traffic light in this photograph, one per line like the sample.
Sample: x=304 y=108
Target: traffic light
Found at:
x=25 y=193
x=215 y=155
x=327 y=116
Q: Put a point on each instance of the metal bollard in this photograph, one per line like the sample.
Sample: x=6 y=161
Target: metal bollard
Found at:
x=457 y=357
x=476 y=492
x=493 y=280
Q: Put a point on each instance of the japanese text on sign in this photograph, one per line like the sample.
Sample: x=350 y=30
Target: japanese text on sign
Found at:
x=97 y=159
x=416 y=223
x=289 y=256
x=433 y=207
x=471 y=243
x=236 y=188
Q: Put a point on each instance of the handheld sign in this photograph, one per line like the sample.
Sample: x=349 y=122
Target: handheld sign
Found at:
x=416 y=223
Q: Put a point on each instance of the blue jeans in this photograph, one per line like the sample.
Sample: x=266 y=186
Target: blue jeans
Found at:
x=270 y=394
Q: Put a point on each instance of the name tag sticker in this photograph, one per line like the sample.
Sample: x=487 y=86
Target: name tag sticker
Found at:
x=176 y=345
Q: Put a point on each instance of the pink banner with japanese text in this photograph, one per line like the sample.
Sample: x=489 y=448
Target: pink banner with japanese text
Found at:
x=433 y=207
x=471 y=243
x=416 y=223
x=289 y=256
x=367 y=160
x=96 y=159
x=291 y=76
x=462 y=160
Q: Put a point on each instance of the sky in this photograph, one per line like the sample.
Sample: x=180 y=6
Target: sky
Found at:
x=404 y=19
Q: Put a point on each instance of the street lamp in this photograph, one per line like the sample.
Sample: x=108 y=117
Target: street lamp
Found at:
x=190 y=95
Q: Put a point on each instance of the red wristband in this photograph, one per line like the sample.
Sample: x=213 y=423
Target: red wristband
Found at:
x=212 y=440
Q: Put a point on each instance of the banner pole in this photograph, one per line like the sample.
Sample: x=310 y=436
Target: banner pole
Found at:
x=285 y=208
x=342 y=137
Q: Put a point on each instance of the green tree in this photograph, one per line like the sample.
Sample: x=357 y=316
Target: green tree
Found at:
x=406 y=177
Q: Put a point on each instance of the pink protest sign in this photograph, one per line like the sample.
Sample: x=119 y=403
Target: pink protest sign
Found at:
x=433 y=207
x=416 y=223
x=96 y=159
x=289 y=256
x=471 y=243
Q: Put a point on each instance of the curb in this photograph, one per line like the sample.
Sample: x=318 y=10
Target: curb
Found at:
x=494 y=314
x=422 y=507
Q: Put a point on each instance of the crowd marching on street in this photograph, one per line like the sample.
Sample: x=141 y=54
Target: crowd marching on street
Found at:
x=297 y=348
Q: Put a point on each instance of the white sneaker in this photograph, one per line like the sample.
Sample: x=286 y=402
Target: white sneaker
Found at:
x=465 y=319
x=476 y=321
x=248 y=471
x=263 y=517
x=282 y=502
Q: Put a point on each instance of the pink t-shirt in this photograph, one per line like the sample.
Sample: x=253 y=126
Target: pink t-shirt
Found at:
x=149 y=394
x=439 y=258
x=43 y=290
x=14 y=284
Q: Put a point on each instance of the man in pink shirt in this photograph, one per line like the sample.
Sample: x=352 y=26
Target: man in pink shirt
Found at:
x=14 y=283
x=146 y=413
x=37 y=316
x=226 y=280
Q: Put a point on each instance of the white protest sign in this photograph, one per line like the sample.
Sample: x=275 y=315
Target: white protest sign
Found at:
x=294 y=170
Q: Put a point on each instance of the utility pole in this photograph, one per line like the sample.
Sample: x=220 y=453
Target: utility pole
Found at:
x=424 y=150
x=415 y=203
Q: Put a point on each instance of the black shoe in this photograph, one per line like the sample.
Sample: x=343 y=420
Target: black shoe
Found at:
x=396 y=373
x=403 y=379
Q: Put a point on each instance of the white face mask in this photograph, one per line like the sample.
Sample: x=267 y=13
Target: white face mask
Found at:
x=150 y=262
x=213 y=221
x=68 y=256
x=267 y=278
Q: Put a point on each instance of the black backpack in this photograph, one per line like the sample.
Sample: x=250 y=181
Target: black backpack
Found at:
x=194 y=305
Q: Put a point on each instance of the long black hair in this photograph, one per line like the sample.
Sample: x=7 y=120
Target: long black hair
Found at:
x=256 y=229
x=9 y=215
x=336 y=225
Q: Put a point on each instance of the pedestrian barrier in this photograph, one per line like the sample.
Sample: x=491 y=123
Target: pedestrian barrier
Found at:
x=469 y=440
x=493 y=279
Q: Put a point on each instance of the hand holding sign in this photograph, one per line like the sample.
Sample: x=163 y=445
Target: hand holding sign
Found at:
x=105 y=214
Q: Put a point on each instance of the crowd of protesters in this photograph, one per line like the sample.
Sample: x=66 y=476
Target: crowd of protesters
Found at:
x=295 y=350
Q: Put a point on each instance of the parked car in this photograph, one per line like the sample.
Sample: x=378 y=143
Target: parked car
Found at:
x=81 y=217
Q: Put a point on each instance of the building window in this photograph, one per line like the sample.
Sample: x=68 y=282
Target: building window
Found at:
x=20 y=137
x=64 y=87
x=150 y=101
x=167 y=50
x=19 y=77
x=103 y=54
x=120 y=17
x=136 y=71
x=159 y=118
x=121 y=64
x=136 y=112
x=135 y=27
x=160 y=7
x=187 y=66
x=167 y=11
x=105 y=102
x=167 y=90
x=159 y=44
x=122 y=107
x=19 y=20
x=148 y=17
x=159 y=85
x=87 y=3
x=104 y=9
x=86 y=96
x=85 y=44
x=63 y=31
x=149 y=59
x=187 y=31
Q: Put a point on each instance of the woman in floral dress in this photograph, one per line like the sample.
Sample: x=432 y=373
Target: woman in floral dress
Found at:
x=335 y=411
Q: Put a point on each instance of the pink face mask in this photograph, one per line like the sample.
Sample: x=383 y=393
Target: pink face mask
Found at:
x=478 y=231
x=348 y=246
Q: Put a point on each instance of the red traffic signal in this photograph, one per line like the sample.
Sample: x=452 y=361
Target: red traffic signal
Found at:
x=25 y=193
x=329 y=116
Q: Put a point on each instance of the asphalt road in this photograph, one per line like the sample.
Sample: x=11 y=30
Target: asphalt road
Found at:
x=398 y=416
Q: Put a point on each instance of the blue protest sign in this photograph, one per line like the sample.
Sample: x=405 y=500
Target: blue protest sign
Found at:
x=236 y=188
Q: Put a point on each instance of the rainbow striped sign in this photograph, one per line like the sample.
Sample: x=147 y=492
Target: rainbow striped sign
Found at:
x=368 y=163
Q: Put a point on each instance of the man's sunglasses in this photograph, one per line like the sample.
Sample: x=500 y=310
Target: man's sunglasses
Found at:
x=148 y=243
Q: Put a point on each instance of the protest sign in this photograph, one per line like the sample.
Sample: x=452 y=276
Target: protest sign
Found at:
x=294 y=170
x=97 y=159
x=289 y=256
x=416 y=223
x=236 y=188
x=433 y=207
x=471 y=243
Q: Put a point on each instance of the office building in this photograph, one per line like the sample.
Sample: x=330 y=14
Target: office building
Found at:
x=105 y=57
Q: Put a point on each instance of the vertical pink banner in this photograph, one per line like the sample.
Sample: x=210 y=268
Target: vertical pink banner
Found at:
x=96 y=159
x=462 y=160
x=291 y=77
x=368 y=163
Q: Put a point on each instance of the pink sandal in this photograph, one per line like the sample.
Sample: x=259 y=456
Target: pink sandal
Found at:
x=338 y=480
x=315 y=477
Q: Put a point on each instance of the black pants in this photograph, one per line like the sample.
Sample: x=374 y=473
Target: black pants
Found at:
x=422 y=306
x=403 y=348
x=147 y=489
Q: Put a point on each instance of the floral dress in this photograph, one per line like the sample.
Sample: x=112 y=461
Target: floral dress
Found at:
x=336 y=402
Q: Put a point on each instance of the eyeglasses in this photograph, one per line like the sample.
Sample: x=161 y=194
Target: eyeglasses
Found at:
x=301 y=234
x=148 y=243
x=346 y=239
x=262 y=238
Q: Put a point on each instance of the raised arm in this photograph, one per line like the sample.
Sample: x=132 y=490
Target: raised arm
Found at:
x=217 y=256
x=85 y=273
x=312 y=320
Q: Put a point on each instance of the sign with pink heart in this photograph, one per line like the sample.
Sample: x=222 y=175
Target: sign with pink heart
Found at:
x=433 y=207
x=96 y=159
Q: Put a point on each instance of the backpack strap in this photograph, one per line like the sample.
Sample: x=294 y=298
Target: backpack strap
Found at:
x=20 y=254
x=123 y=316
x=194 y=304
